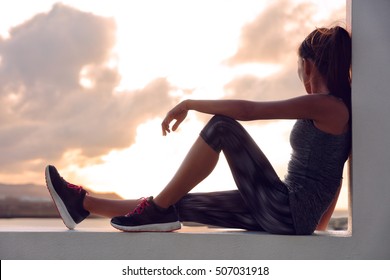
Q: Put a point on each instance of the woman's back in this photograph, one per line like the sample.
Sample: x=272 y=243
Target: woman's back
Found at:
x=314 y=172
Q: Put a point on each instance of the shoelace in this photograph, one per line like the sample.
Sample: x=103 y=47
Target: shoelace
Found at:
x=140 y=207
x=74 y=187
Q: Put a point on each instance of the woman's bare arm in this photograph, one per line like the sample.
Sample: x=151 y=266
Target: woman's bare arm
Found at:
x=306 y=106
x=317 y=107
x=323 y=223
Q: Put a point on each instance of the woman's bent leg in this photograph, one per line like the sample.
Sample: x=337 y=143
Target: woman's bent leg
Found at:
x=263 y=192
x=264 y=196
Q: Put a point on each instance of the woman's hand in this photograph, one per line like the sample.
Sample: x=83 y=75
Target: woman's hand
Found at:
x=178 y=113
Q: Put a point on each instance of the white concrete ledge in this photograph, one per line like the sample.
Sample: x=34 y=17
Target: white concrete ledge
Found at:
x=95 y=239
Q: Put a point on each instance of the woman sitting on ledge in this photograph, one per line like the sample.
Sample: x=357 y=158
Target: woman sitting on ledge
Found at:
x=297 y=205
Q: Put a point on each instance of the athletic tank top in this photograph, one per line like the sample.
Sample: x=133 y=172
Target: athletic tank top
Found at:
x=314 y=172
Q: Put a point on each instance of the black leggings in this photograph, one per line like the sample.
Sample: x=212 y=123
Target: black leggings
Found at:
x=261 y=202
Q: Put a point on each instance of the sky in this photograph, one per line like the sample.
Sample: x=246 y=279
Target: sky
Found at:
x=84 y=85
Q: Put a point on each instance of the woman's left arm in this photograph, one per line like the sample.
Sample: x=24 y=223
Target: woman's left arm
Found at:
x=323 y=223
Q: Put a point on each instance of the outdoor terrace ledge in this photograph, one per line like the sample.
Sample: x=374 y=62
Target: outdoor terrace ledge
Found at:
x=95 y=239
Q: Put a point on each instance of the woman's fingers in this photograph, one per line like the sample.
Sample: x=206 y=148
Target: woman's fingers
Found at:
x=179 y=114
x=165 y=127
x=176 y=125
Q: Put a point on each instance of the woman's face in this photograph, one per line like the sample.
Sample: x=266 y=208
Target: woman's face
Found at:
x=300 y=68
x=303 y=75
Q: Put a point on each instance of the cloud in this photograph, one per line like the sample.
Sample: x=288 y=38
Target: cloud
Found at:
x=46 y=111
x=273 y=37
x=278 y=31
x=51 y=48
x=282 y=85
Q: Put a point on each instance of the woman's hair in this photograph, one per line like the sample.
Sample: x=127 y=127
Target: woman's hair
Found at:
x=330 y=50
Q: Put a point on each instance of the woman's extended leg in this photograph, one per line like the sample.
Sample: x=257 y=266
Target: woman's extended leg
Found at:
x=74 y=204
x=109 y=207
x=222 y=209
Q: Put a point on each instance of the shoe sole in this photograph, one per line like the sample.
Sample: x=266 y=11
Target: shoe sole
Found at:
x=61 y=208
x=166 y=227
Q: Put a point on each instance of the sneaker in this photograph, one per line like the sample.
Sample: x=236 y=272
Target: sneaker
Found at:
x=147 y=216
x=68 y=198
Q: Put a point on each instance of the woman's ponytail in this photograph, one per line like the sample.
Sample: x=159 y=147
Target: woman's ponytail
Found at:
x=330 y=49
x=339 y=70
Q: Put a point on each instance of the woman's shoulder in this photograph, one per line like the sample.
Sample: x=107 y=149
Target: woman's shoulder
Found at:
x=335 y=114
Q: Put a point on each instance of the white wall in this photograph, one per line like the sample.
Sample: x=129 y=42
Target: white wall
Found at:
x=371 y=125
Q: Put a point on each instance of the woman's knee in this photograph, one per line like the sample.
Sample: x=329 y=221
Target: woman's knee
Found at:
x=219 y=119
x=221 y=125
x=220 y=129
x=215 y=130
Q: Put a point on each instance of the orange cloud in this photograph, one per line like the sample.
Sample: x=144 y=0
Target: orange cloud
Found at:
x=46 y=111
x=277 y=31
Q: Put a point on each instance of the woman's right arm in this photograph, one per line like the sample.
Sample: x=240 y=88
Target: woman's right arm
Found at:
x=317 y=107
x=235 y=109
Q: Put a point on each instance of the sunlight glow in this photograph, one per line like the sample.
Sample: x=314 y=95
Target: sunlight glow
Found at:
x=85 y=79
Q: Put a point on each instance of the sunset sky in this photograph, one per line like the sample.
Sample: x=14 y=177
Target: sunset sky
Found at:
x=84 y=85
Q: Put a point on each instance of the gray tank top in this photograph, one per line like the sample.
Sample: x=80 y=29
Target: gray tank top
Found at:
x=314 y=172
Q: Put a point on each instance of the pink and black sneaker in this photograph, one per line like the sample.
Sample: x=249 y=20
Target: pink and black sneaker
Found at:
x=68 y=198
x=147 y=216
